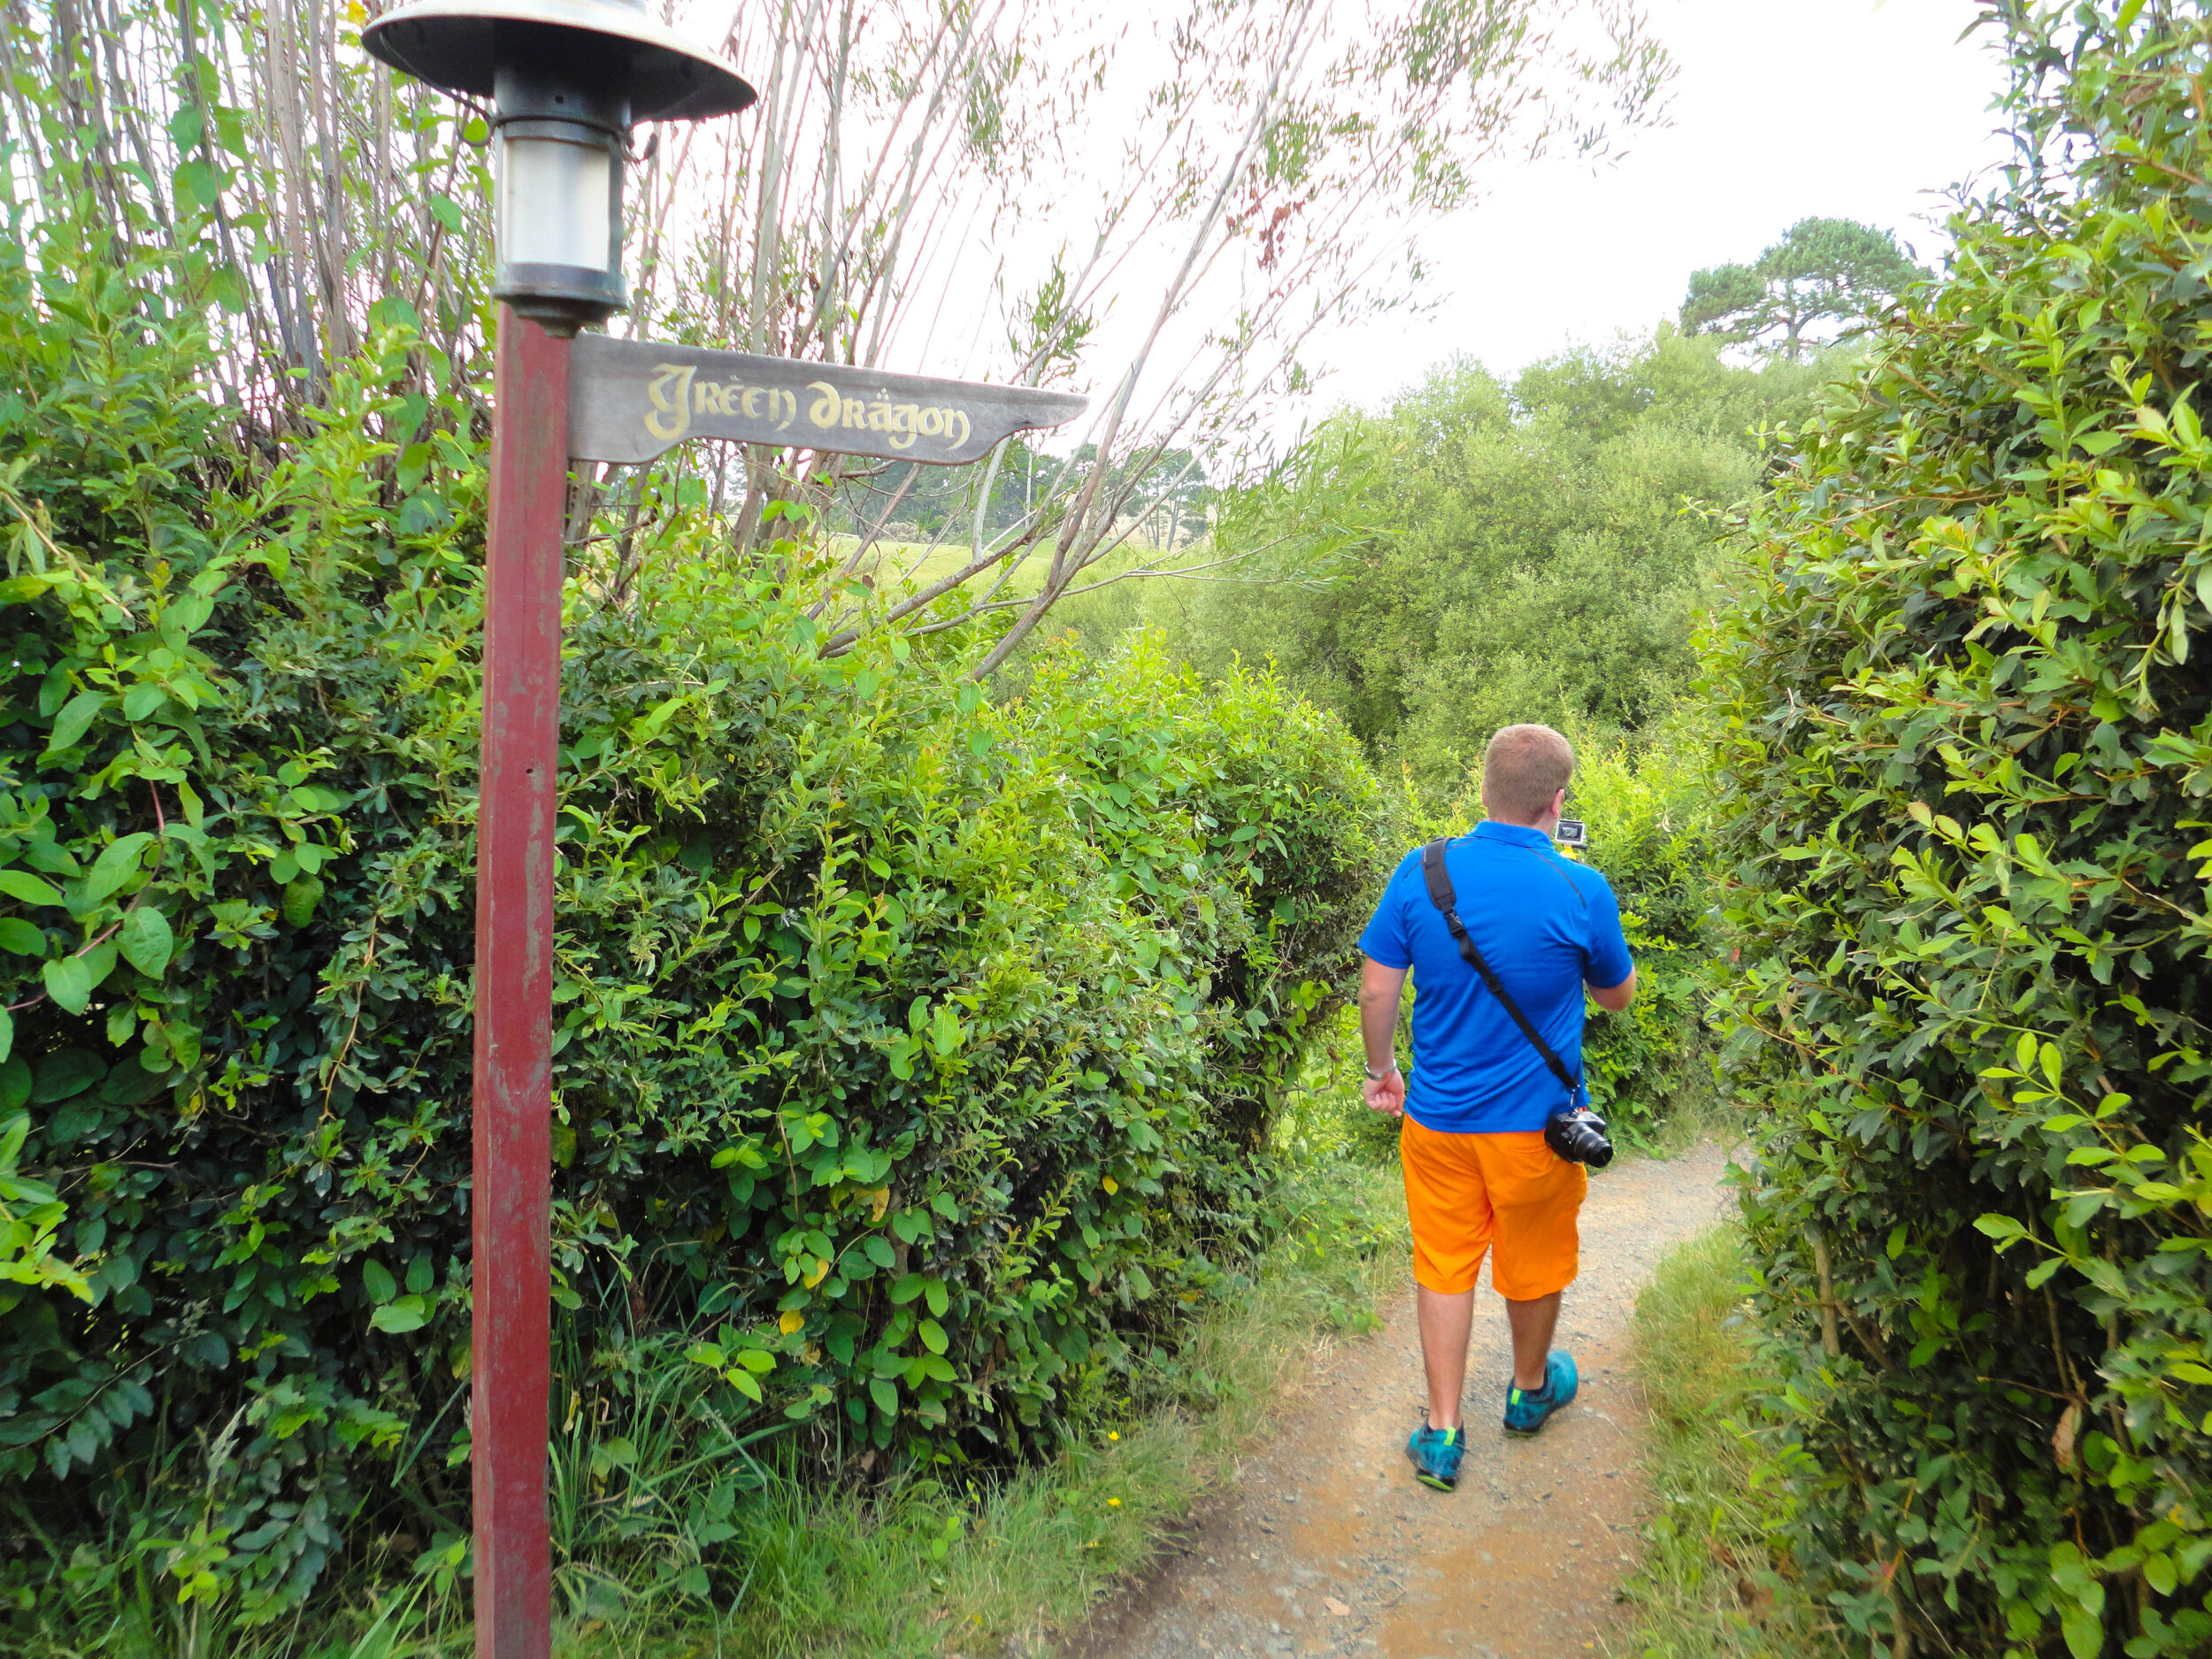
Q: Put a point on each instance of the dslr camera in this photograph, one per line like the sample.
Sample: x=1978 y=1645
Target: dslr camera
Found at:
x=1578 y=1135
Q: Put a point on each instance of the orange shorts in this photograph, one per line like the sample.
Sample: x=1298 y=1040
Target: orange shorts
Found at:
x=1462 y=1191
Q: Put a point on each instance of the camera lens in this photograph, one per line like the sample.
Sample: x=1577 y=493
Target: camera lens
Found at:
x=1578 y=1137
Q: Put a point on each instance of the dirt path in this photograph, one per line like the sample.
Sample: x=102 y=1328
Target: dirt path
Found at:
x=1325 y=1544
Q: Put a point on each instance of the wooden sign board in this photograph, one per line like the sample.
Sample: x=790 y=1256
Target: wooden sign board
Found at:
x=630 y=400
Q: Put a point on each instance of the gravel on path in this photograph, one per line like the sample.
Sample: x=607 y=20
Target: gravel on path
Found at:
x=1323 y=1543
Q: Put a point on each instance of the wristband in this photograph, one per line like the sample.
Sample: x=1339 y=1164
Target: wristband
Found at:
x=1373 y=1076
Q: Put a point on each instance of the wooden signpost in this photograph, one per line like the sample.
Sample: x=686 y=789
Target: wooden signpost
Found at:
x=597 y=399
x=630 y=400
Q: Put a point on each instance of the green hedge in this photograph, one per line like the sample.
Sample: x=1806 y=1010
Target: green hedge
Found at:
x=913 y=1052
x=1651 y=836
x=1967 y=751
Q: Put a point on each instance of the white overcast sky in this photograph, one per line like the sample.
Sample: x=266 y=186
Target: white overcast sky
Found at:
x=1781 y=108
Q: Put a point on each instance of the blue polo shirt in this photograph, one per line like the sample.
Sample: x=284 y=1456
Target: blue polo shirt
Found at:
x=1545 y=926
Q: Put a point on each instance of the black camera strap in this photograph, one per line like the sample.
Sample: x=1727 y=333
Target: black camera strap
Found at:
x=1442 y=896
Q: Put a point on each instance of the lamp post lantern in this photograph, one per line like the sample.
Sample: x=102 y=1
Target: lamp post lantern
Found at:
x=566 y=79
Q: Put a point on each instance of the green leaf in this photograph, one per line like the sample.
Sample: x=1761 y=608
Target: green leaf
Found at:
x=21 y=884
x=909 y=1287
x=934 y=1293
x=409 y=1313
x=932 y=1336
x=2085 y=1632
x=196 y=185
x=228 y=289
x=886 y=1394
x=302 y=895
x=18 y=936
x=134 y=1082
x=146 y=941
x=69 y=982
x=76 y=719
x=117 y=864
x=377 y=1280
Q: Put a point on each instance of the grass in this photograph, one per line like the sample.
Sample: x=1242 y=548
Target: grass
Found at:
x=912 y=565
x=1714 y=1582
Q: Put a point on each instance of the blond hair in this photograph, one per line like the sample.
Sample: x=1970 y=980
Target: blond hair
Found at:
x=1523 y=771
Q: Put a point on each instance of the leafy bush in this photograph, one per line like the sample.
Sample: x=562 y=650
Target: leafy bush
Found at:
x=912 y=1054
x=1650 y=834
x=1968 y=746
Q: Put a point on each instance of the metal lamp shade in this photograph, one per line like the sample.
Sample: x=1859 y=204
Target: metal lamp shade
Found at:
x=567 y=78
x=455 y=46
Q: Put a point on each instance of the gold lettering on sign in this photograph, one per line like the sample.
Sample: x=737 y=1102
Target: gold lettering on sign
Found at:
x=670 y=390
x=832 y=410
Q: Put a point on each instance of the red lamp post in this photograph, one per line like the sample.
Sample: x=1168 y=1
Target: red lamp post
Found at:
x=567 y=79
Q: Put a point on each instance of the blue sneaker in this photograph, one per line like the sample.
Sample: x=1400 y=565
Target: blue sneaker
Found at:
x=1435 y=1455
x=1525 y=1412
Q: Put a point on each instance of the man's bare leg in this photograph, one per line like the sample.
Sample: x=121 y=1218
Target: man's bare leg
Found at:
x=1446 y=1322
x=1532 y=1322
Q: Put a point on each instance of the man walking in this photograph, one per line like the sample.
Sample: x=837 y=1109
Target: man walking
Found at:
x=1478 y=1174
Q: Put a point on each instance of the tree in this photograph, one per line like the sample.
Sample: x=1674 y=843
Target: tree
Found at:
x=1506 y=552
x=1824 y=271
x=910 y=193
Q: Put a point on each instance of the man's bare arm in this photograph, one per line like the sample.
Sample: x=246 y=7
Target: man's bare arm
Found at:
x=1380 y=990
x=1615 y=998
